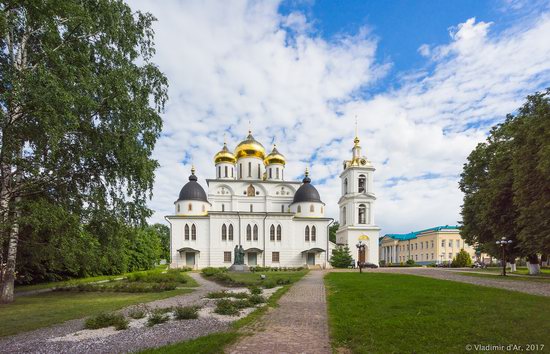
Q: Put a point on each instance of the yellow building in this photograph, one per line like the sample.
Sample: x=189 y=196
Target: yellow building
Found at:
x=438 y=244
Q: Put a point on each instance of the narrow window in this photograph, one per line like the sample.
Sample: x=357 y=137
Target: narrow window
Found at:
x=450 y=243
x=230 y=232
x=224 y=232
x=226 y=174
x=231 y=171
x=203 y=209
x=255 y=232
x=223 y=207
x=240 y=170
x=321 y=210
x=178 y=208
x=250 y=169
x=311 y=208
x=345 y=186
x=272 y=233
x=251 y=208
x=362 y=183
x=187 y=232
x=227 y=257
x=442 y=243
x=362 y=214
x=270 y=173
x=277 y=172
x=307 y=233
x=219 y=171
x=193 y=233
x=458 y=243
x=313 y=233
x=299 y=209
x=279 y=233
x=275 y=257
x=343 y=215
x=190 y=207
x=282 y=208
x=259 y=177
x=248 y=233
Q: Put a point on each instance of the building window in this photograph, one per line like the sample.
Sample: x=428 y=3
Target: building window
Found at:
x=442 y=243
x=432 y=256
x=219 y=171
x=190 y=207
x=345 y=186
x=313 y=233
x=311 y=208
x=227 y=257
x=321 y=210
x=250 y=169
x=275 y=257
x=282 y=208
x=231 y=171
x=432 y=246
x=279 y=232
x=230 y=232
x=458 y=243
x=251 y=208
x=416 y=257
x=416 y=246
x=362 y=183
x=421 y=245
x=451 y=255
x=193 y=232
x=224 y=232
x=259 y=172
x=299 y=210
x=203 y=209
x=255 y=232
x=307 y=233
x=186 y=232
x=450 y=243
x=250 y=191
x=226 y=174
x=248 y=232
x=272 y=233
x=277 y=172
x=223 y=207
x=178 y=208
x=343 y=215
x=240 y=170
x=270 y=173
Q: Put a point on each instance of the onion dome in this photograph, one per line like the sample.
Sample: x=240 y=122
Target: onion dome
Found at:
x=306 y=192
x=192 y=190
x=224 y=155
x=250 y=147
x=275 y=157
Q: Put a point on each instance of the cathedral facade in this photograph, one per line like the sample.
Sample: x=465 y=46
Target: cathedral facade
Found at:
x=278 y=223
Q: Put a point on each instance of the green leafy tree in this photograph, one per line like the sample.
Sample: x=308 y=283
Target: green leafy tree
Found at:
x=79 y=117
x=462 y=259
x=341 y=257
x=163 y=233
x=332 y=231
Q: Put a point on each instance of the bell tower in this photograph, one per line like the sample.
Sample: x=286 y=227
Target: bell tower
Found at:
x=357 y=206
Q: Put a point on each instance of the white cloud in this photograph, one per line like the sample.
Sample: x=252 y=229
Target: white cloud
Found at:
x=231 y=62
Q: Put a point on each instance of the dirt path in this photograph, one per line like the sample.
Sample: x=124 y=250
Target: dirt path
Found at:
x=298 y=325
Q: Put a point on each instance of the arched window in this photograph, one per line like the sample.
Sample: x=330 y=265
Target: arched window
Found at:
x=259 y=171
x=362 y=214
x=345 y=186
x=313 y=233
x=186 y=232
x=311 y=208
x=277 y=172
x=193 y=232
x=219 y=171
x=272 y=233
x=226 y=171
x=250 y=191
x=230 y=232
x=240 y=170
x=307 y=233
x=248 y=233
x=250 y=169
x=279 y=233
x=282 y=208
x=224 y=232
x=251 y=208
x=178 y=208
x=321 y=210
x=299 y=210
x=270 y=173
x=343 y=215
x=255 y=232
x=362 y=183
x=231 y=171
x=190 y=207
x=223 y=207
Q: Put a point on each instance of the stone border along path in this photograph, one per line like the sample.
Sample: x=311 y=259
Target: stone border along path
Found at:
x=47 y=340
x=528 y=287
x=298 y=325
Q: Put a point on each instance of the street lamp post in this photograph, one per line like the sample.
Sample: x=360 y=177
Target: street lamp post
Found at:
x=503 y=243
x=361 y=247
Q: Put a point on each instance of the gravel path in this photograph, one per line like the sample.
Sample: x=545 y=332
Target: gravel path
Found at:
x=46 y=340
x=529 y=287
x=298 y=325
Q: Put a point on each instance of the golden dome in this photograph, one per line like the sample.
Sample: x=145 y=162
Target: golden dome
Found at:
x=224 y=155
x=275 y=157
x=250 y=148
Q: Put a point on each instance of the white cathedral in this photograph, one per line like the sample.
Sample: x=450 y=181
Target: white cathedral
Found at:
x=278 y=223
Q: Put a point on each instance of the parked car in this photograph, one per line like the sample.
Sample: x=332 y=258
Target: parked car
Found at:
x=369 y=265
x=480 y=265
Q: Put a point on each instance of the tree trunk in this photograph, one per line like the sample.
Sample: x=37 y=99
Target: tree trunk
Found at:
x=9 y=273
x=533 y=264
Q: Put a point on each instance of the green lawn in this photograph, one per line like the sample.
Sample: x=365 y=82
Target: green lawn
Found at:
x=254 y=278
x=396 y=313
x=41 y=310
x=544 y=272
x=511 y=278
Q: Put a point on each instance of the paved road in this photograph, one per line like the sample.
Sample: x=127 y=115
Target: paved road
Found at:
x=298 y=325
x=529 y=287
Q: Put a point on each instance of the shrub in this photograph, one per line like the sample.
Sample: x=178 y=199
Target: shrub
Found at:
x=138 y=312
x=283 y=281
x=269 y=284
x=210 y=271
x=256 y=299
x=341 y=257
x=226 y=307
x=462 y=259
x=410 y=262
x=171 y=276
x=242 y=303
x=255 y=290
x=157 y=317
x=107 y=320
x=186 y=312
x=226 y=294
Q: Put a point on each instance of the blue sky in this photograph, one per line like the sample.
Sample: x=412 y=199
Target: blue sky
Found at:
x=426 y=79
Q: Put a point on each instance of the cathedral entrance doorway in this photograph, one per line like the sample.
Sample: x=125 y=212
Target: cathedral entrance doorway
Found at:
x=252 y=258
x=190 y=259
x=311 y=259
x=362 y=256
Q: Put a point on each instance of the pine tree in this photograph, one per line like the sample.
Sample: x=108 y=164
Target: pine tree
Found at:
x=341 y=257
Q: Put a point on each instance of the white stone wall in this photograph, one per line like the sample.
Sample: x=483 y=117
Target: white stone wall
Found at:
x=191 y=208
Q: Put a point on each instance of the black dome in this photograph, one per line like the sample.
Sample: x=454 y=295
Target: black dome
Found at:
x=306 y=193
x=192 y=190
